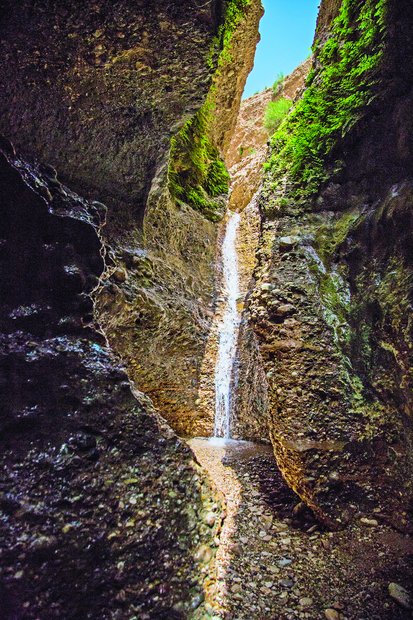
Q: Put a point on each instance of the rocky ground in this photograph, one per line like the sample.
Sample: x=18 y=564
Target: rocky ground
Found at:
x=276 y=563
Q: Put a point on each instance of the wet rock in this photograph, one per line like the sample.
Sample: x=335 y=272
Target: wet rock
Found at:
x=120 y=275
x=85 y=449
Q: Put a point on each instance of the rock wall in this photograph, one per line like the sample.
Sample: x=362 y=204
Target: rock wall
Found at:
x=331 y=307
x=104 y=513
x=98 y=92
x=164 y=306
x=245 y=159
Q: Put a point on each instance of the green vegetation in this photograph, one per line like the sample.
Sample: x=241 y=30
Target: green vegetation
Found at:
x=276 y=111
x=330 y=237
x=337 y=95
x=197 y=173
x=234 y=11
x=279 y=81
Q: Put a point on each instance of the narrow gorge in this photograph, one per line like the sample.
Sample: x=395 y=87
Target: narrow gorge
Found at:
x=206 y=314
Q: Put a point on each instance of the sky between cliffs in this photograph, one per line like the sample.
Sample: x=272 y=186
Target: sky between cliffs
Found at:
x=287 y=31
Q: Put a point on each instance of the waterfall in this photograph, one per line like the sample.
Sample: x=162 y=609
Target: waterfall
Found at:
x=227 y=330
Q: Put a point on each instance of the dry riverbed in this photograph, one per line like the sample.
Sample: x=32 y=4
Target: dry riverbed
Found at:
x=276 y=563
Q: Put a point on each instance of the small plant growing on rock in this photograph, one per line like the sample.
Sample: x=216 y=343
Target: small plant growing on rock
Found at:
x=276 y=111
x=278 y=84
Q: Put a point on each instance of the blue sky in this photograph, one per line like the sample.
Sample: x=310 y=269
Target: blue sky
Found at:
x=287 y=32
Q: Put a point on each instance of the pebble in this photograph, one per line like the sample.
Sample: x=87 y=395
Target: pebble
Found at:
x=369 y=522
x=332 y=614
x=284 y=562
x=305 y=601
x=400 y=595
x=203 y=555
x=210 y=519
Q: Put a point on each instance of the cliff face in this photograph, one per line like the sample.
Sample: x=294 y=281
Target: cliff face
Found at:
x=113 y=84
x=331 y=307
x=81 y=534
x=97 y=88
x=105 y=512
x=165 y=308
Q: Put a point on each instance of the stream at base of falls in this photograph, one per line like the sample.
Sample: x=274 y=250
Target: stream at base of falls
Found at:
x=227 y=330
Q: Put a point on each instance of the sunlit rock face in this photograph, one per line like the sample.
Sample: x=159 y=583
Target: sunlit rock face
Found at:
x=103 y=509
x=245 y=159
x=332 y=305
x=248 y=148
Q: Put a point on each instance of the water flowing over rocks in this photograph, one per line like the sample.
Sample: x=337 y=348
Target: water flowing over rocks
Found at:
x=227 y=331
x=114 y=285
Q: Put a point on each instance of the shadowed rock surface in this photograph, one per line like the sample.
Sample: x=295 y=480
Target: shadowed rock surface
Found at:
x=98 y=91
x=101 y=505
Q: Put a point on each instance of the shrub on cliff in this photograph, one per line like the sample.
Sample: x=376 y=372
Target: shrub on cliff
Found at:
x=274 y=114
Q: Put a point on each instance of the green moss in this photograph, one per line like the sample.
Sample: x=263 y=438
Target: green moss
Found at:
x=338 y=92
x=197 y=173
x=330 y=237
x=221 y=45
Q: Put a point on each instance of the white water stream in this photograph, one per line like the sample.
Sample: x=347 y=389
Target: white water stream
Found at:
x=227 y=330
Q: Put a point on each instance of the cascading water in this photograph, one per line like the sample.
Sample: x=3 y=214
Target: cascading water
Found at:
x=227 y=330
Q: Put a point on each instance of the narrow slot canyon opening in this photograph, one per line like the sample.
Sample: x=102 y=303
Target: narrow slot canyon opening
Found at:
x=206 y=336
x=263 y=513
x=235 y=400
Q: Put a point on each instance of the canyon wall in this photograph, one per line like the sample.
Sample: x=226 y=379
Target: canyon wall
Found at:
x=108 y=95
x=332 y=304
x=165 y=308
x=245 y=159
x=104 y=511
